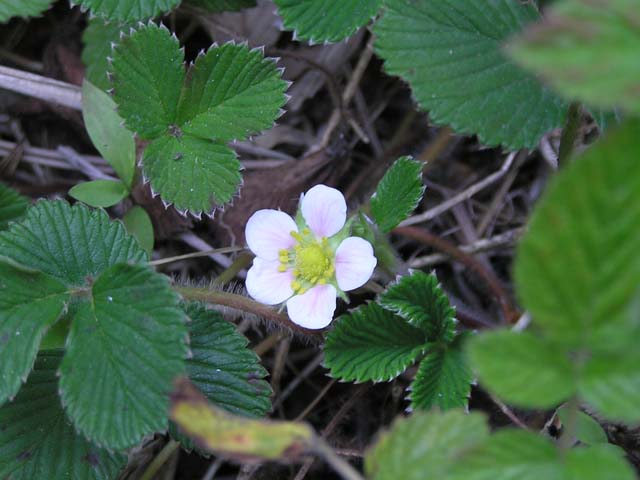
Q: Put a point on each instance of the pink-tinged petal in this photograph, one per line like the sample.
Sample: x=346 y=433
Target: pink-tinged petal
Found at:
x=325 y=210
x=354 y=263
x=269 y=231
x=266 y=284
x=314 y=308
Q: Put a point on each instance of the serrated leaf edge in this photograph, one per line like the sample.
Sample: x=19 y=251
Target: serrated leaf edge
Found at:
x=197 y=214
x=400 y=311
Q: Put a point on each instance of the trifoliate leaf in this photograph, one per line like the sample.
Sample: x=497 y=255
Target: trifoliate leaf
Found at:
x=22 y=8
x=600 y=67
x=74 y=244
x=148 y=73
x=37 y=440
x=610 y=383
x=30 y=302
x=419 y=299
x=450 y=52
x=522 y=368
x=231 y=92
x=587 y=430
x=125 y=347
x=12 y=206
x=114 y=142
x=100 y=193
x=139 y=225
x=509 y=455
x=223 y=368
x=597 y=463
x=425 y=445
x=128 y=10
x=216 y=6
x=398 y=193
x=326 y=20
x=371 y=343
x=443 y=379
x=577 y=268
x=97 y=39
x=192 y=173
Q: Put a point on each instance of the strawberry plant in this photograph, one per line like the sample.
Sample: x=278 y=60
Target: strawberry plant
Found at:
x=444 y=222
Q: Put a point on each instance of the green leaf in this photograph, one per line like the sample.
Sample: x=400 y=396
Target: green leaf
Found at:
x=509 y=455
x=371 y=343
x=191 y=173
x=74 y=244
x=610 y=383
x=597 y=463
x=577 y=268
x=398 y=193
x=128 y=10
x=231 y=92
x=216 y=6
x=223 y=368
x=125 y=348
x=522 y=368
x=520 y=455
x=443 y=379
x=587 y=52
x=450 y=52
x=147 y=75
x=588 y=430
x=30 y=302
x=114 y=142
x=12 y=206
x=138 y=224
x=37 y=440
x=100 y=193
x=97 y=39
x=23 y=8
x=419 y=299
x=425 y=445
x=326 y=20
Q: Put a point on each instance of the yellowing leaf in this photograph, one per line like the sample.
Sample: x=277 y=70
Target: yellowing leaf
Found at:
x=213 y=429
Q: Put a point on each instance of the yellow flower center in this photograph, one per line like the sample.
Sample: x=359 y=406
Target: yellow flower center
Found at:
x=311 y=261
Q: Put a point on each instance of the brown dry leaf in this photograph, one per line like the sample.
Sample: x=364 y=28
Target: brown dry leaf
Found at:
x=277 y=188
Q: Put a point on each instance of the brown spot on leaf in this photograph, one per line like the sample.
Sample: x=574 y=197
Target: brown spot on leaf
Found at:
x=92 y=459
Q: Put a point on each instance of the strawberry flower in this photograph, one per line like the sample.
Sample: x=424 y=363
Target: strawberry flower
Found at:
x=308 y=262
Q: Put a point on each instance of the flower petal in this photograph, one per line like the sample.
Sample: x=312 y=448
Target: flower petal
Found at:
x=268 y=285
x=269 y=231
x=314 y=308
x=354 y=263
x=325 y=210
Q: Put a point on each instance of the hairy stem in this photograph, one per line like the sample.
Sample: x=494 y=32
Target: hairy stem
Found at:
x=240 y=302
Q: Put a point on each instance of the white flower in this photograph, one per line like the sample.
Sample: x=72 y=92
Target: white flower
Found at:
x=310 y=263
